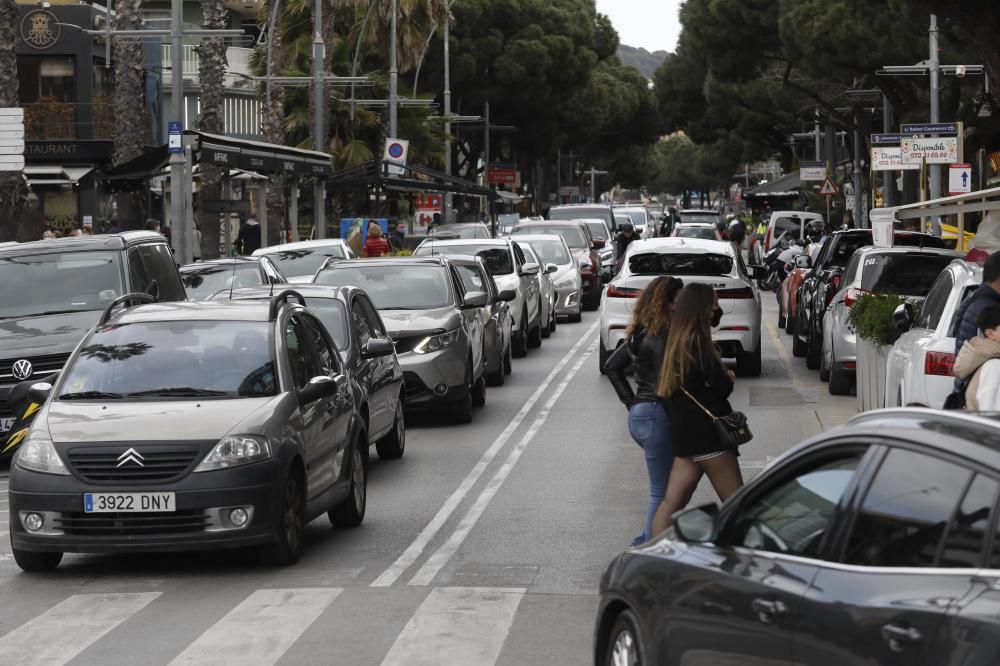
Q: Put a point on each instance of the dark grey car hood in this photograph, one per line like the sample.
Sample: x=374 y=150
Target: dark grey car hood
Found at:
x=44 y=335
x=406 y=323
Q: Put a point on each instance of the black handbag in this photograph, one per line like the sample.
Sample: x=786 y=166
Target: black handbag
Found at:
x=732 y=430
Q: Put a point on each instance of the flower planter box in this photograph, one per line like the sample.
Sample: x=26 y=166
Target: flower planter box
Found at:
x=872 y=362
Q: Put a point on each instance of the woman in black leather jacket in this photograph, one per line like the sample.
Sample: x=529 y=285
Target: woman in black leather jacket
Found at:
x=645 y=341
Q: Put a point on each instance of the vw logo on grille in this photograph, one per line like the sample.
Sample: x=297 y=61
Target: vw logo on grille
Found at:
x=22 y=369
x=131 y=456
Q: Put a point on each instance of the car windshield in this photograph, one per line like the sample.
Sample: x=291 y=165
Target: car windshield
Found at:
x=638 y=217
x=201 y=282
x=305 y=261
x=333 y=315
x=394 y=287
x=598 y=230
x=497 y=259
x=461 y=231
x=910 y=274
x=708 y=218
x=173 y=359
x=655 y=263
x=707 y=233
x=551 y=252
x=573 y=236
x=55 y=283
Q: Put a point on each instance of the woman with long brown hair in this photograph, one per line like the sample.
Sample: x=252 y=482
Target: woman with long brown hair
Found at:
x=645 y=342
x=692 y=381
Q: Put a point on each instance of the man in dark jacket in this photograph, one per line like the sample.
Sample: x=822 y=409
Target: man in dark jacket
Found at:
x=966 y=326
x=624 y=238
x=248 y=239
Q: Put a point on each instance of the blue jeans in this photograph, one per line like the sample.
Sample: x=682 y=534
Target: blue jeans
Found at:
x=647 y=423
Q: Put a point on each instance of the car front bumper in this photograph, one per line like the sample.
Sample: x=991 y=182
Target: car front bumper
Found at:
x=436 y=377
x=567 y=300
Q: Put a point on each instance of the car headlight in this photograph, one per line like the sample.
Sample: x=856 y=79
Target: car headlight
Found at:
x=607 y=254
x=235 y=450
x=433 y=343
x=39 y=455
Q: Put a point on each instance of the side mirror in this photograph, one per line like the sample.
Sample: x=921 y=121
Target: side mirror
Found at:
x=803 y=261
x=697 y=525
x=598 y=243
x=475 y=299
x=507 y=295
x=376 y=347
x=320 y=387
x=39 y=392
x=530 y=269
x=551 y=268
x=902 y=318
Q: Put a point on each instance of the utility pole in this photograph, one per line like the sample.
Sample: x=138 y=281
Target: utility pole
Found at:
x=446 y=201
x=177 y=159
x=393 y=74
x=856 y=174
x=319 y=112
x=593 y=183
x=486 y=165
x=888 y=177
x=817 y=137
x=935 y=73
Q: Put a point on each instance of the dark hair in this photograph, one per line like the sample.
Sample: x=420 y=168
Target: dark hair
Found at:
x=652 y=309
x=690 y=336
x=991 y=269
x=989 y=318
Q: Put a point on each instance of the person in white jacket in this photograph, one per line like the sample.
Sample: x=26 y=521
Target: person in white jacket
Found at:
x=978 y=364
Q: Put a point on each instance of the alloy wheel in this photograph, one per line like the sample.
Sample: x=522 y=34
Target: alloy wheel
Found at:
x=624 y=652
x=358 y=481
x=292 y=515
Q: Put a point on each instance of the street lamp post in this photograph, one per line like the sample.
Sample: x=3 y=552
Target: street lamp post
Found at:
x=393 y=73
x=934 y=67
x=319 y=110
x=177 y=160
x=446 y=202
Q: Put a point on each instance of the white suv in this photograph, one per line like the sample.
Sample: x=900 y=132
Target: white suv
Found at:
x=693 y=261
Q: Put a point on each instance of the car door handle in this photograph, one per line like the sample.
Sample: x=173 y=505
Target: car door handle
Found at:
x=899 y=637
x=768 y=610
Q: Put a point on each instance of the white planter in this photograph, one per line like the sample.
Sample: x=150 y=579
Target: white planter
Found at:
x=872 y=362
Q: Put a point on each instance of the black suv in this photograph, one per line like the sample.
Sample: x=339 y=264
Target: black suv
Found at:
x=823 y=281
x=54 y=292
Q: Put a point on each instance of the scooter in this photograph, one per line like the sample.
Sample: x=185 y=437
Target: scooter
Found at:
x=779 y=262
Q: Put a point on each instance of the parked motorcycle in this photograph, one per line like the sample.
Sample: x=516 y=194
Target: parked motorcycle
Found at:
x=779 y=262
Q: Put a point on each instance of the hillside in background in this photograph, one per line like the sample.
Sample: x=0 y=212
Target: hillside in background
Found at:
x=641 y=59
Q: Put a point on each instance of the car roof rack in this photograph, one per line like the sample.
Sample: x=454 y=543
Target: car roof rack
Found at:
x=135 y=298
x=280 y=299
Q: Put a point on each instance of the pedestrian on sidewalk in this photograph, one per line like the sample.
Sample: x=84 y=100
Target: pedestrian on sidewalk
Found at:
x=966 y=325
x=248 y=239
x=978 y=364
x=376 y=245
x=693 y=380
x=645 y=343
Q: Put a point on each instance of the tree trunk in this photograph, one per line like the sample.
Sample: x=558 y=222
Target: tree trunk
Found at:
x=130 y=134
x=15 y=221
x=211 y=75
x=273 y=129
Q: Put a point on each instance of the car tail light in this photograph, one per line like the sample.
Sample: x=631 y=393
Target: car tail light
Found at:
x=741 y=292
x=735 y=328
x=622 y=292
x=939 y=364
x=853 y=294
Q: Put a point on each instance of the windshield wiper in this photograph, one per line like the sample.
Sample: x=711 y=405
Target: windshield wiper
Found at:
x=179 y=392
x=91 y=395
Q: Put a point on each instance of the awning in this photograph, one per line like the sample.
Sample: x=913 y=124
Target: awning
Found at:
x=55 y=175
x=783 y=186
x=413 y=179
x=509 y=197
x=151 y=163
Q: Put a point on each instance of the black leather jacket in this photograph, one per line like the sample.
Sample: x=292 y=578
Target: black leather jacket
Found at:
x=644 y=352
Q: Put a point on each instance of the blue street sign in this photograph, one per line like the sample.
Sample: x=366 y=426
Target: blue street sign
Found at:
x=886 y=139
x=175 y=143
x=930 y=128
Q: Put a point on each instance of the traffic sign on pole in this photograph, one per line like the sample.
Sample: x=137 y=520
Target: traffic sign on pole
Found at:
x=829 y=188
x=959 y=178
x=396 y=151
x=175 y=132
x=812 y=171
x=12 y=139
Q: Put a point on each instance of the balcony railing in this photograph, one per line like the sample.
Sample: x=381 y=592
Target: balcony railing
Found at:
x=237 y=68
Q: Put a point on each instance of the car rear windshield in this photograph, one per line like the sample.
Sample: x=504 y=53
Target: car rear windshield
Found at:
x=461 y=231
x=788 y=225
x=56 y=283
x=306 y=261
x=175 y=359
x=707 y=233
x=708 y=218
x=573 y=236
x=581 y=212
x=598 y=230
x=201 y=282
x=551 y=251
x=391 y=287
x=497 y=259
x=910 y=274
x=333 y=315
x=655 y=263
x=638 y=217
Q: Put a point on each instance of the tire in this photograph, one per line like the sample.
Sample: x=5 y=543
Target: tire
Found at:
x=824 y=370
x=749 y=363
x=535 y=336
x=553 y=323
x=508 y=365
x=623 y=646
x=519 y=342
x=479 y=392
x=789 y=324
x=289 y=533
x=602 y=357
x=840 y=381
x=546 y=327
x=461 y=410
x=392 y=446
x=814 y=352
x=351 y=511
x=799 y=345
x=30 y=560
x=576 y=318
x=593 y=302
x=782 y=321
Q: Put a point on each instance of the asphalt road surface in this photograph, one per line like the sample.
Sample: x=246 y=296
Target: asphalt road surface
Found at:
x=483 y=545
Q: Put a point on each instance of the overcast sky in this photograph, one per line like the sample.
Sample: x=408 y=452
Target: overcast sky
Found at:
x=651 y=24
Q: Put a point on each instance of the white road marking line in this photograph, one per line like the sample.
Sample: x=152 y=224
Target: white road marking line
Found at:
x=457 y=625
x=261 y=629
x=786 y=360
x=440 y=557
x=415 y=549
x=68 y=628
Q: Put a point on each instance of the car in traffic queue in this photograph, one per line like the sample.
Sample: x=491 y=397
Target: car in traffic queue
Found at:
x=790 y=223
x=702 y=230
x=203 y=279
x=435 y=323
x=714 y=263
x=299 y=261
x=190 y=426
x=873 y=543
x=54 y=292
x=587 y=211
x=600 y=230
x=921 y=364
x=585 y=250
x=704 y=215
x=640 y=219
x=547 y=289
x=788 y=291
x=823 y=280
x=566 y=281
x=476 y=230
x=901 y=271
x=511 y=270
x=368 y=354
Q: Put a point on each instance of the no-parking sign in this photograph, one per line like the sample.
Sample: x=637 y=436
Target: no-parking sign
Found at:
x=396 y=151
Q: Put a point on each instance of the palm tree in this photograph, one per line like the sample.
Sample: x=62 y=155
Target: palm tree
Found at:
x=211 y=75
x=130 y=134
x=273 y=125
x=415 y=21
x=14 y=222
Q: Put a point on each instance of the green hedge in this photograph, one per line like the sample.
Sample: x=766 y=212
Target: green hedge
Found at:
x=871 y=317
